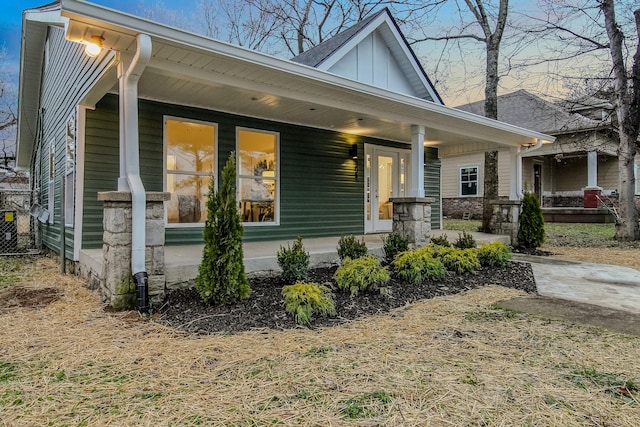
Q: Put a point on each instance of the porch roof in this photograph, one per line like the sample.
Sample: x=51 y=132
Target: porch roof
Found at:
x=190 y=69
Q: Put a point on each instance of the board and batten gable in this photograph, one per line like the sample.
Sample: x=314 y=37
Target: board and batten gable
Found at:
x=371 y=62
x=321 y=186
x=68 y=75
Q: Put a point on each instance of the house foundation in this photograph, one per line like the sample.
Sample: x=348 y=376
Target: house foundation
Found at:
x=114 y=280
x=412 y=219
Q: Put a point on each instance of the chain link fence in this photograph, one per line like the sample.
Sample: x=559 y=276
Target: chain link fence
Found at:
x=19 y=230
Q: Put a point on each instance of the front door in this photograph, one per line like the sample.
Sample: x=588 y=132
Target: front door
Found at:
x=386 y=176
x=537 y=180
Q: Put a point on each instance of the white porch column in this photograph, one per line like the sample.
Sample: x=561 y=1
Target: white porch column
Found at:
x=515 y=182
x=417 y=161
x=592 y=169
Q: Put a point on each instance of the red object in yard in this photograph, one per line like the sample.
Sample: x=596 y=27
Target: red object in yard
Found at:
x=592 y=198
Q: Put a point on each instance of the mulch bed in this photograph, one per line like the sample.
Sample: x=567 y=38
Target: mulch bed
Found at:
x=184 y=309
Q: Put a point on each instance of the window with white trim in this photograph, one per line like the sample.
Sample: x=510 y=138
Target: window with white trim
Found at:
x=189 y=165
x=469 y=181
x=51 y=184
x=70 y=171
x=257 y=153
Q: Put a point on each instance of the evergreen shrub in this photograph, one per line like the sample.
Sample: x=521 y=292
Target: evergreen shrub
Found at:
x=361 y=274
x=418 y=265
x=495 y=254
x=221 y=277
x=531 y=232
x=392 y=245
x=460 y=260
x=306 y=300
x=465 y=241
x=441 y=241
x=294 y=262
x=350 y=247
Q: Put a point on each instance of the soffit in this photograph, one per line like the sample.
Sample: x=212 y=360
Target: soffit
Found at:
x=192 y=70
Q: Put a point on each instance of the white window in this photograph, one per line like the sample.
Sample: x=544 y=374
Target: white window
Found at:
x=469 y=181
x=70 y=171
x=190 y=163
x=258 y=176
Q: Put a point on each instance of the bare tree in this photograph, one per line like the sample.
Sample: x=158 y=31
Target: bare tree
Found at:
x=481 y=21
x=8 y=120
x=627 y=91
x=590 y=34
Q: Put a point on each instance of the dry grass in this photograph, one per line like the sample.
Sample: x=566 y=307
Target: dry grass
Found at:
x=448 y=361
x=627 y=257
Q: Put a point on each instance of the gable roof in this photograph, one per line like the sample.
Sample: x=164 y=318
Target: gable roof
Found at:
x=193 y=70
x=524 y=109
x=327 y=53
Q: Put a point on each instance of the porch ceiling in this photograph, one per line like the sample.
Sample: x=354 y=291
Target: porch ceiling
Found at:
x=192 y=70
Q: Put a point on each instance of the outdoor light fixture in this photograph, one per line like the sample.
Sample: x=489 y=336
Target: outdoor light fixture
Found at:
x=353 y=151
x=94 y=47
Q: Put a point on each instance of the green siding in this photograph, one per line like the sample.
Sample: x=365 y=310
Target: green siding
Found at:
x=432 y=183
x=321 y=194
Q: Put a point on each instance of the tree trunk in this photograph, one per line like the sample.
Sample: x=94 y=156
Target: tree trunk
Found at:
x=491 y=179
x=628 y=112
x=627 y=227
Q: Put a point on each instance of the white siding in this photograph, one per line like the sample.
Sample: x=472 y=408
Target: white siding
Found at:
x=371 y=62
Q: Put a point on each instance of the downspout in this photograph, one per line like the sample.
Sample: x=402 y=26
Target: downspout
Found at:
x=519 y=160
x=132 y=168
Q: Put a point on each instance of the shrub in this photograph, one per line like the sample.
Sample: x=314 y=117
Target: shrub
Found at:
x=394 y=244
x=531 y=230
x=495 y=254
x=441 y=241
x=294 y=262
x=221 y=278
x=418 y=265
x=362 y=274
x=460 y=260
x=465 y=241
x=304 y=300
x=351 y=247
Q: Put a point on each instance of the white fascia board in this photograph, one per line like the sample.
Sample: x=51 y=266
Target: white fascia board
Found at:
x=102 y=17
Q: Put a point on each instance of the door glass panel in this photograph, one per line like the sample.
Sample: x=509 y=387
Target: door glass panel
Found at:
x=385 y=187
x=403 y=164
x=367 y=187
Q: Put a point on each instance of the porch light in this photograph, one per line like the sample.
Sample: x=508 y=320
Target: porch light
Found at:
x=94 y=47
x=353 y=151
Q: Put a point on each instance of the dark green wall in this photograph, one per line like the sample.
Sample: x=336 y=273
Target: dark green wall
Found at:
x=321 y=193
x=432 y=183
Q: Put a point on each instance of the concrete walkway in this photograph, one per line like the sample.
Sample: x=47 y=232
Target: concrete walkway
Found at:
x=604 y=285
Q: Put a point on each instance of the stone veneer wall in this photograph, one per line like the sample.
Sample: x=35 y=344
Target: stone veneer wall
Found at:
x=412 y=219
x=115 y=281
x=505 y=219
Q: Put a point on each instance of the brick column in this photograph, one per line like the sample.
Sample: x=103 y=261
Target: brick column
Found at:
x=412 y=219
x=116 y=282
x=505 y=218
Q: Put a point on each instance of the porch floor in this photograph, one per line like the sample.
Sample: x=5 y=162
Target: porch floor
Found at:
x=577 y=215
x=181 y=262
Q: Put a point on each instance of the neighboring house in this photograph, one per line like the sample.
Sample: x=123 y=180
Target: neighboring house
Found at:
x=583 y=156
x=320 y=148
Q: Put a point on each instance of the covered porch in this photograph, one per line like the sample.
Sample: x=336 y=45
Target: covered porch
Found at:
x=181 y=262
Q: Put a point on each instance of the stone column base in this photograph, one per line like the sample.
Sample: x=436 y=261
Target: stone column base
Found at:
x=505 y=218
x=412 y=219
x=115 y=281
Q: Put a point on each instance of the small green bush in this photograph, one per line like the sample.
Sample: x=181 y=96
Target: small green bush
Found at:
x=465 y=241
x=294 y=262
x=460 y=260
x=351 y=247
x=394 y=244
x=495 y=254
x=418 y=265
x=531 y=230
x=360 y=275
x=221 y=277
x=305 y=300
x=441 y=241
